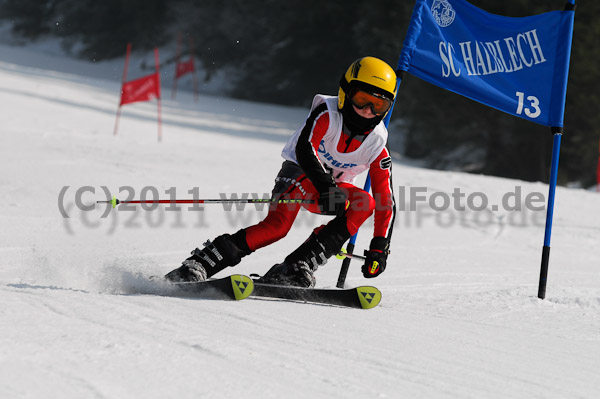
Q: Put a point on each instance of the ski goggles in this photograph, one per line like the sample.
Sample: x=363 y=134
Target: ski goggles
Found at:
x=378 y=103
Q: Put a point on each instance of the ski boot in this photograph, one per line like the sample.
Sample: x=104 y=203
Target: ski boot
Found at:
x=224 y=251
x=298 y=267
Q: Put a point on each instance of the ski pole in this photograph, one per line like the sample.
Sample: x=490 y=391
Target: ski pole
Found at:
x=114 y=202
x=345 y=255
x=348 y=253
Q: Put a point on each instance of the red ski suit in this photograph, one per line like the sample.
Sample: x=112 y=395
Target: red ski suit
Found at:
x=298 y=182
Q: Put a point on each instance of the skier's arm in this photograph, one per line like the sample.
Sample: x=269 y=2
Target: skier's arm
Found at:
x=385 y=209
x=307 y=148
x=381 y=183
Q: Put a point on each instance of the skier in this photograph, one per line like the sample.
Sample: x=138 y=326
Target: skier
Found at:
x=342 y=137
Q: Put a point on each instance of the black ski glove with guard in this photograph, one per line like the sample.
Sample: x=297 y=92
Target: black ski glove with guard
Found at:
x=333 y=201
x=376 y=257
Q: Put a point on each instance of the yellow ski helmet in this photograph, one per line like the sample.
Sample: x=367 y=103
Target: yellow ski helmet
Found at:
x=368 y=73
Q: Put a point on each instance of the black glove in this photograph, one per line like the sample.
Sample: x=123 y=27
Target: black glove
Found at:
x=333 y=201
x=376 y=257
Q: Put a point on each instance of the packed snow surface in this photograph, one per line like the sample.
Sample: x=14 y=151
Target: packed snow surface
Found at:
x=460 y=317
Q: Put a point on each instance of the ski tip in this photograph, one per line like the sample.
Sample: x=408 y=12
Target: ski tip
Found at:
x=242 y=286
x=368 y=296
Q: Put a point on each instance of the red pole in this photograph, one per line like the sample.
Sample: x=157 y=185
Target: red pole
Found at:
x=598 y=170
x=174 y=89
x=157 y=65
x=127 y=54
x=194 y=78
x=117 y=120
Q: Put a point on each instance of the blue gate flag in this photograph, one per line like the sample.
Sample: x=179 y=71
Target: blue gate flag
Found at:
x=517 y=65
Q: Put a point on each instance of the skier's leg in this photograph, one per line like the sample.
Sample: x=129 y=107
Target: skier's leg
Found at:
x=228 y=250
x=273 y=228
x=291 y=183
x=298 y=267
x=325 y=241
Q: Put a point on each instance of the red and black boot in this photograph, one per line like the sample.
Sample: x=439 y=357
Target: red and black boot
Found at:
x=298 y=267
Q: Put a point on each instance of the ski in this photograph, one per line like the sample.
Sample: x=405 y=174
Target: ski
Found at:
x=234 y=287
x=363 y=297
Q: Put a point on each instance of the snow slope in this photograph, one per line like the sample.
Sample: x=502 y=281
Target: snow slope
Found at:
x=459 y=316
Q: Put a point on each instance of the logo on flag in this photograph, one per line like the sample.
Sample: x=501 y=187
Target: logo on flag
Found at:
x=443 y=13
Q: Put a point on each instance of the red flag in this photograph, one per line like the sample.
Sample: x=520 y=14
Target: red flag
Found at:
x=184 y=67
x=142 y=89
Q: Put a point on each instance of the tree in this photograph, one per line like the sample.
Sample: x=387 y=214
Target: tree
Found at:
x=30 y=18
x=103 y=27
